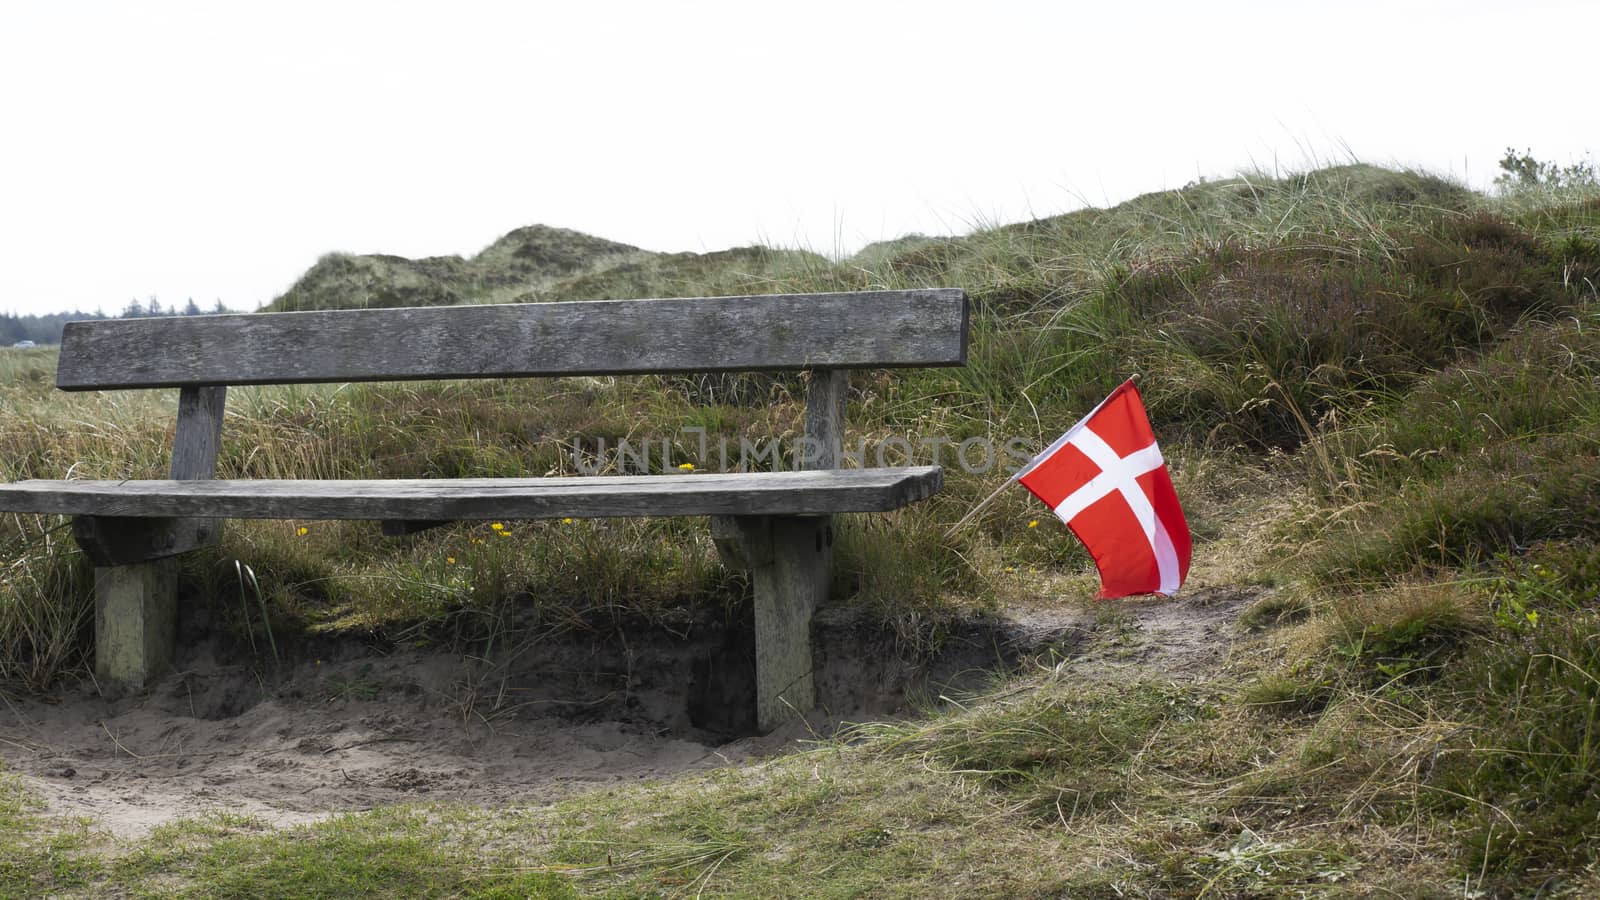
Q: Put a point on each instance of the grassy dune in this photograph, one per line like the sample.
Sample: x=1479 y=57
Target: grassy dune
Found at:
x=1381 y=393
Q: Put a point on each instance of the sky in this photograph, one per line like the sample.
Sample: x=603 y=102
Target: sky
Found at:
x=215 y=151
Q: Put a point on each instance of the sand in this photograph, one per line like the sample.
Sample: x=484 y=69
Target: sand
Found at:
x=330 y=735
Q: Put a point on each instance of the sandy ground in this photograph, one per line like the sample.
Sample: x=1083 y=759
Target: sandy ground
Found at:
x=1187 y=638
x=335 y=736
x=137 y=763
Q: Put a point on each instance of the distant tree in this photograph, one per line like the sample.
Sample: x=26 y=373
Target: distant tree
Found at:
x=1524 y=171
x=219 y=309
x=134 y=310
x=154 y=308
x=45 y=329
x=191 y=308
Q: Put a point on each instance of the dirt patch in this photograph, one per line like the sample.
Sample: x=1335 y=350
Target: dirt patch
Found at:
x=1180 y=640
x=351 y=727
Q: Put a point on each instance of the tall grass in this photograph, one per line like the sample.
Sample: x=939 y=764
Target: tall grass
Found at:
x=1267 y=313
x=1417 y=362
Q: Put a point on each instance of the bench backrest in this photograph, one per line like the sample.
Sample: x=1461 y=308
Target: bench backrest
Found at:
x=869 y=329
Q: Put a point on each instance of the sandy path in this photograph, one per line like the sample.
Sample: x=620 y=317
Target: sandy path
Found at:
x=350 y=735
x=134 y=764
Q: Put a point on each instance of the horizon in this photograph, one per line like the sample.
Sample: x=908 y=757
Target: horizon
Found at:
x=175 y=306
x=218 y=153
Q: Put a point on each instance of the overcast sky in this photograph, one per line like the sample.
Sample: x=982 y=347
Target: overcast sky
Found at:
x=215 y=150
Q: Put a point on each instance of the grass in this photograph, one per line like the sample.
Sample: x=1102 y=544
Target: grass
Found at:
x=1153 y=790
x=1379 y=392
x=902 y=812
x=39 y=857
x=502 y=271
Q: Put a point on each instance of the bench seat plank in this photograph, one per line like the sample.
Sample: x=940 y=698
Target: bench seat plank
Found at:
x=734 y=493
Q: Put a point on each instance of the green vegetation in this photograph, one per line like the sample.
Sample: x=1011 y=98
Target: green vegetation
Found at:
x=1381 y=394
x=510 y=266
x=39 y=857
x=44 y=329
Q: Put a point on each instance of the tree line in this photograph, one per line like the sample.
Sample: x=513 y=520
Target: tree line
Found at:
x=46 y=329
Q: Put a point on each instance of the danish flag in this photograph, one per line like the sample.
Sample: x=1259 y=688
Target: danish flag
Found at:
x=1107 y=480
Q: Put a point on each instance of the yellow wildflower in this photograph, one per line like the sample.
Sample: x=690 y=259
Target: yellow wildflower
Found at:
x=302 y=531
x=687 y=467
x=567 y=521
x=450 y=560
x=497 y=527
x=1033 y=523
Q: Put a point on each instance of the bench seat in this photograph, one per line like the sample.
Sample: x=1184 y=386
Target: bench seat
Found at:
x=447 y=499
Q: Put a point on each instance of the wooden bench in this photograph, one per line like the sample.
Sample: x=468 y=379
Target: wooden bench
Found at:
x=775 y=523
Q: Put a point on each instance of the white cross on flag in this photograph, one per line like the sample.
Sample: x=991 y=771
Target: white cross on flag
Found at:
x=1106 y=479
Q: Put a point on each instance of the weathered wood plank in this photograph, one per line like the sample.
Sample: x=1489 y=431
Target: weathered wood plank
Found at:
x=752 y=493
x=824 y=428
x=135 y=624
x=743 y=542
x=198 y=437
x=121 y=541
x=789 y=559
x=403 y=527
x=751 y=333
x=196 y=443
x=135 y=583
x=124 y=540
x=789 y=586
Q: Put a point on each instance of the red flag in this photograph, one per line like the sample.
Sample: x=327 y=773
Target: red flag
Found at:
x=1106 y=479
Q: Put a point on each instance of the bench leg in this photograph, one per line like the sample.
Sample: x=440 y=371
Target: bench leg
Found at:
x=135 y=623
x=790 y=563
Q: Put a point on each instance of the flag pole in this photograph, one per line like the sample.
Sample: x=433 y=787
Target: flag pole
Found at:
x=990 y=499
x=976 y=509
